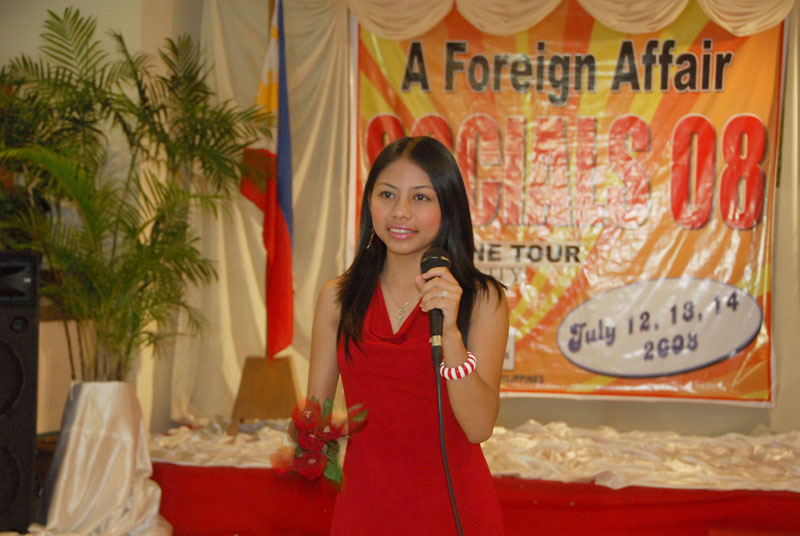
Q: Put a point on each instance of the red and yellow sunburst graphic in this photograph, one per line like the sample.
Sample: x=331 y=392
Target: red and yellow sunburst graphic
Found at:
x=600 y=166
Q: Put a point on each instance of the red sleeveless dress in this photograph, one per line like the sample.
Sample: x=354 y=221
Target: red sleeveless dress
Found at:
x=394 y=481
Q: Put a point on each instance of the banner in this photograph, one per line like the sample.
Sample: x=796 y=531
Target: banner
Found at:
x=622 y=186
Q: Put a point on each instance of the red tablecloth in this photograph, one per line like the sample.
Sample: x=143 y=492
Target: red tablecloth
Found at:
x=217 y=501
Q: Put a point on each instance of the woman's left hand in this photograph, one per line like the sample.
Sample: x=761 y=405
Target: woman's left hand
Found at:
x=440 y=290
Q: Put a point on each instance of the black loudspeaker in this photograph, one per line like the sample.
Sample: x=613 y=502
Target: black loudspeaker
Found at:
x=19 y=353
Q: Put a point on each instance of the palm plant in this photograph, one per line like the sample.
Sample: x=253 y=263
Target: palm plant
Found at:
x=121 y=156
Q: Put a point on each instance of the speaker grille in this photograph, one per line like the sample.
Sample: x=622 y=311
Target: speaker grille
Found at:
x=19 y=334
x=11 y=476
x=12 y=378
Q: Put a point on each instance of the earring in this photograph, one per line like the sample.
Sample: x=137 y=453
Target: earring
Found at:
x=369 y=244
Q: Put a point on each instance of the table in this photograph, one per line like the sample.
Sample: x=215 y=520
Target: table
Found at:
x=222 y=501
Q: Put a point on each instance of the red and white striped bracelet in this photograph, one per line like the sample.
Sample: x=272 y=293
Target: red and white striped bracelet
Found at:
x=461 y=371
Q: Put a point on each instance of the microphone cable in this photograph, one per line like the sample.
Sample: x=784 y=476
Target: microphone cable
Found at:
x=437 y=357
x=434 y=258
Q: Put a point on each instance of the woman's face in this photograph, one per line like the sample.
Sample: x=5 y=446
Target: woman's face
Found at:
x=404 y=207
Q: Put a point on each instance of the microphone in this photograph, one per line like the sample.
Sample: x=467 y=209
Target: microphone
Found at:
x=433 y=258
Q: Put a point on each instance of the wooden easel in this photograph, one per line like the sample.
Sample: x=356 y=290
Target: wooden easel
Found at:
x=266 y=391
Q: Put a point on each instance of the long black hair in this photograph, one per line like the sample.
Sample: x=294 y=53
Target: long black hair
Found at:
x=455 y=237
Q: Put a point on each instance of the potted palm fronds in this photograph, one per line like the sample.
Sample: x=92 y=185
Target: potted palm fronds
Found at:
x=109 y=159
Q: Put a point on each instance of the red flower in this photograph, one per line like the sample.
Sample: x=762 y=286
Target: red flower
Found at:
x=309 y=441
x=316 y=437
x=330 y=431
x=310 y=464
x=306 y=414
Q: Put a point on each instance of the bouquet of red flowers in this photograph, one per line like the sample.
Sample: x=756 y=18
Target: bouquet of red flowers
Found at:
x=316 y=436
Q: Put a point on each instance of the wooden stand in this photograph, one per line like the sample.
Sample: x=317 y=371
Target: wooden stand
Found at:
x=266 y=391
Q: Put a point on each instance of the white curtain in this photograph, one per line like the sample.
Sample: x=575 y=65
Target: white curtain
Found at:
x=404 y=20
x=207 y=370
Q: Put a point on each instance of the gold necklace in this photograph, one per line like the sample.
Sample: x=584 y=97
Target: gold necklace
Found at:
x=400 y=314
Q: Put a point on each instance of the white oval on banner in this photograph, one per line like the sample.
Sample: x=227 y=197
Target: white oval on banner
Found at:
x=659 y=327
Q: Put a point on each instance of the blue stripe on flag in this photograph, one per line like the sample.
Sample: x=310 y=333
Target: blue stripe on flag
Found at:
x=284 y=134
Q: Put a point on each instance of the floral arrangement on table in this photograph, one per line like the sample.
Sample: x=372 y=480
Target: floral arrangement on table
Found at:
x=316 y=436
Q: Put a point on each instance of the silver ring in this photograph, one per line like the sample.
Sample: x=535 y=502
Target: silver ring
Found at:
x=444 y=294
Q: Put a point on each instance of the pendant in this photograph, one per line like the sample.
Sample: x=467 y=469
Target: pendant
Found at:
x=400 y=314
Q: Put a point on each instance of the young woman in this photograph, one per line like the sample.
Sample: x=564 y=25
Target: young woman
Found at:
x=371 y=326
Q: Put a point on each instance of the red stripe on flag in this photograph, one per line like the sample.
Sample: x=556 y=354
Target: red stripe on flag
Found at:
x=261 y=172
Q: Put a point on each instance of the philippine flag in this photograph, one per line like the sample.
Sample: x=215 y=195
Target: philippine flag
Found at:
x=268 y=184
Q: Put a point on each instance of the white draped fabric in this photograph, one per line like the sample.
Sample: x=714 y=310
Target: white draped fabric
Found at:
x=100 y=479
x=400 y=20
x=507 y=17
x=405 y=20
x=634 y=17
x=555 y=451
x=207 y=370
x=745 y=17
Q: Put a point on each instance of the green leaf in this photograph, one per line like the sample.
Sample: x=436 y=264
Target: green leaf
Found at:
x=352 y=409
x=332 y=449
x=327 y=408
x=333 y=471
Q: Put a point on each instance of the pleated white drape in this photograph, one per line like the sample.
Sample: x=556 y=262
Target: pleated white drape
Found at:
x=405 y=20
x=207 y=370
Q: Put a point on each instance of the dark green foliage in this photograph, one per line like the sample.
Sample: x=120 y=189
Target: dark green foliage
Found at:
x=108 y=160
